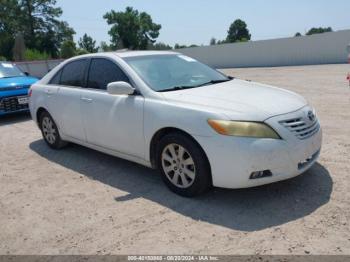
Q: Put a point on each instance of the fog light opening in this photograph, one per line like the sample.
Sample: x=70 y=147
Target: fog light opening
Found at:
x=260 y=174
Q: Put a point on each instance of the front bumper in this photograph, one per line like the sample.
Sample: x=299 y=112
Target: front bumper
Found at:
x=9 y=105
x=234 y=159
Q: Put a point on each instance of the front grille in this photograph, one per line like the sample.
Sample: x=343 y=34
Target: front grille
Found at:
x=301 y=127
x=10 y=104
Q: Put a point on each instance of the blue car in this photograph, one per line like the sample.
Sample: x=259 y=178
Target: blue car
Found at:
x=14 y=86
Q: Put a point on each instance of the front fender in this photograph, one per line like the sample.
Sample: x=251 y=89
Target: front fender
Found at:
x=160 y=114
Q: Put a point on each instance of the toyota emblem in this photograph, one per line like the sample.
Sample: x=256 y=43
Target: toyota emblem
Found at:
x=311 y=116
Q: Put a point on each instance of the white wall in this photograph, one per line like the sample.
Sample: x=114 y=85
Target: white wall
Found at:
x=327 y=48
x=38 y=68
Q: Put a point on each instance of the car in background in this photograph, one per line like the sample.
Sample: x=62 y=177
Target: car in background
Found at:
x=14 y=87
x=164 y=110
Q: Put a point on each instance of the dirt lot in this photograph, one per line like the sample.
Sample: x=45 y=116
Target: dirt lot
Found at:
x=78 y=201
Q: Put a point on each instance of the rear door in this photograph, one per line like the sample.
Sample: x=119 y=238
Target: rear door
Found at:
x=65 y=102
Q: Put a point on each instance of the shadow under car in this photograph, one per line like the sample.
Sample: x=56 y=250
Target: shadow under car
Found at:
x=241 y=209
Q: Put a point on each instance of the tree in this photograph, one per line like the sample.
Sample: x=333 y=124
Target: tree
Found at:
x=19 y=48
x=131 y=29
x=104 y=47
x=68 y=49
x=319 y=30
x=238 y=32
x=297 y=34
x=212 y=41
x=178 y=46
x=159 y=46
x=38 y=21
x=88 y=44
x=220 y=42
x=9 y=13
x=41 y=28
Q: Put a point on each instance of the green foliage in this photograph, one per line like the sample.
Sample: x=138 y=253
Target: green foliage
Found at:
x=38 y=21
x=178 y=46
x=238 y=32
x=9 y=12
x=159 y=46
x=68 y=49
x=319 y=30
x=212 y=41
x=80 y=51
x=220 y=42
x=106 y=47
x=297 y=34
x=88 y=44
x=33 y=54
x=131 y=29
x=2 y=58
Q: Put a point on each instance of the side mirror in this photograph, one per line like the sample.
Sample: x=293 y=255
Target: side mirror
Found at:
x=120 y=88
x=26 y=73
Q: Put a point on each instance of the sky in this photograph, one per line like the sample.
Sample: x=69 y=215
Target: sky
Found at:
x=197 y=21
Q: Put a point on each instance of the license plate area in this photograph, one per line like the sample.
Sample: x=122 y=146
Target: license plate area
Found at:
x=23 y=100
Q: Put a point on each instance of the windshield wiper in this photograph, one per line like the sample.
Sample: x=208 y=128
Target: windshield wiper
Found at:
x=175 y=88
x=211 y=82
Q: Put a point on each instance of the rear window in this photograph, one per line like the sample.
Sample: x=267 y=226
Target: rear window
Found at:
x=56 y=79
x=73 y=73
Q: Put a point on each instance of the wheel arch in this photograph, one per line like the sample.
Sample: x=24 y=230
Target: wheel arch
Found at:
x=163 y=132
x=39 y=112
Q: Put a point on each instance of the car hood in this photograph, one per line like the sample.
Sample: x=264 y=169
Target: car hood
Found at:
x=19 y=81
x=240 y=100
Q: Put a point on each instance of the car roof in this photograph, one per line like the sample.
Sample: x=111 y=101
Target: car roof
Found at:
x=142 y=53
x=123 y=54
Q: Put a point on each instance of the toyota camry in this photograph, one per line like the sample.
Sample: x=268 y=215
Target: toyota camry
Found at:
x=170 y=112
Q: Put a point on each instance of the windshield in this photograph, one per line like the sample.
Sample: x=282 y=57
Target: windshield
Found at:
x=173 y=72
x=9 y=70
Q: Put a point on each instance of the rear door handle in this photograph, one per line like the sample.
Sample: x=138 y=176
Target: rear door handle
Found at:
x=87 y=100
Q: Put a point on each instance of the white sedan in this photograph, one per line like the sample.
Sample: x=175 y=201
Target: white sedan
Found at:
x=167 y=111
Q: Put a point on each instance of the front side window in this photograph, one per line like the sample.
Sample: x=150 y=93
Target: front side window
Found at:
x=9 y=70
x=102 y=72
x=73 y=73
x=173 y=72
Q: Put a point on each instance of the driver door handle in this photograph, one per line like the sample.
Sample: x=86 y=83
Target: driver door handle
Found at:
x=86 y=99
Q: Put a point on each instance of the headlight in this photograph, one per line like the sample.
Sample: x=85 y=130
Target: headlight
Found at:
x=245 y=129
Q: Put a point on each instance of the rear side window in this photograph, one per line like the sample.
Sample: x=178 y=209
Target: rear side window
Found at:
x=73 y=73
x=56 y=79
x=102 y=72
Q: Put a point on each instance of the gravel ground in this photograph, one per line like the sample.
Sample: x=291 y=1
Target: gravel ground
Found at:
x=79 y=201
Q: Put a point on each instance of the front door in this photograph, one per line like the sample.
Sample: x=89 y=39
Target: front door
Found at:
x=110 y=121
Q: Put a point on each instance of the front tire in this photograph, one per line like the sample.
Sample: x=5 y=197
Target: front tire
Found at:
x=50 y=131
x=183 y=165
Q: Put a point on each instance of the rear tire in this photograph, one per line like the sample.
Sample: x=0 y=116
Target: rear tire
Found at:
x=183 y=165
x=50 y=131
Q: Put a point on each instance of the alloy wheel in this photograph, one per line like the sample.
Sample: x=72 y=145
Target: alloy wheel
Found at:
x=49 y=130
x=178 y=165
